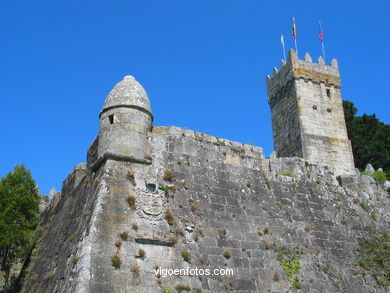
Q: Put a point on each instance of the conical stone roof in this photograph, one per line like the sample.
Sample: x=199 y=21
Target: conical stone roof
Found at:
x=128 y=92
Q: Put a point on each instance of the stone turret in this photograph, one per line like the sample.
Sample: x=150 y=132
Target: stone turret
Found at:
x=125 y=121
x=307 y=113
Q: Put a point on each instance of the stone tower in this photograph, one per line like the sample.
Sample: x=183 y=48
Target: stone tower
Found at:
x=125 y=121
x=307 y=113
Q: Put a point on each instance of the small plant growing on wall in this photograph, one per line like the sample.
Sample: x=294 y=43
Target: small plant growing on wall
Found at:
x=186 y=256
x=169 y=217
x=131 y=200
x=168 y=175
x=135 y=269
x=124 y=235
x=181 y=288
x=116 y=261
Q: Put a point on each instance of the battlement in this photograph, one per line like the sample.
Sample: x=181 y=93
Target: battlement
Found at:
x=304 y=69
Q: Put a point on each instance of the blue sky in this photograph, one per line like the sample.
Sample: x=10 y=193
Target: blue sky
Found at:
x=202 y=62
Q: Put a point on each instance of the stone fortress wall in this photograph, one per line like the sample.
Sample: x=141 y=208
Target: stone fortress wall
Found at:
x=187 y=199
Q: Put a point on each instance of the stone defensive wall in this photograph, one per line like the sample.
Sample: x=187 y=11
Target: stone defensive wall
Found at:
x=281 y=225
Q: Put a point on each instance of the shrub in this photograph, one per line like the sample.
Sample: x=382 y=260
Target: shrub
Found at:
x=169 y=217
x=265 y=230
x=172 y=239
x=74 y=260
x=180 y=232
x=131 y=200
x=194 y=208
x=226 y=254
x=124 y=235
x=379 y=176
x=374 y=256
x=168 y=175
x=141 y=253
x=135 y=269
x=182 y=287
x=116 y=261
x=130 y=175
x=289 y=259
x=186 y=185
x=134 y=226
x=118 y=243
x=374 y=216
x=363 y=204
x=325 y=268
x=186 y=256
x=275 y=277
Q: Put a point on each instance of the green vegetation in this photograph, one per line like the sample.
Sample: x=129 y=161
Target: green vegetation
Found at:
x=363 y=204
x=186 y=256
x=116 y=261
x=181 y=288
x=370 y=139
x=165 y=290
x=169 y=217
x=168 y=175
x=131 y=200
x=19 y=216
x=374 y=256
x=286 y=174
x=289 y=259
x=379 y=176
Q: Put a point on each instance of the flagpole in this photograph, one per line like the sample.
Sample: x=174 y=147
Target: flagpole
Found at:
x=322 y=41
x=284 y=49
x=295 y=35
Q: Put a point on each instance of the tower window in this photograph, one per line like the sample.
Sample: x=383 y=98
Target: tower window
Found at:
x=111 y=118
x=328 y=93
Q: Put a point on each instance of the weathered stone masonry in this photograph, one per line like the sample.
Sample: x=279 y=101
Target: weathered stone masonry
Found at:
x=177 y=192
x=307 y=113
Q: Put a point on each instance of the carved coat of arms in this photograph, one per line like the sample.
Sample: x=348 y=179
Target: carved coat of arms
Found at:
x=151 y=204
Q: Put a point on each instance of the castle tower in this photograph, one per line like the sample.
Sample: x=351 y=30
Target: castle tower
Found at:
x=307 y=113
x=125 y=122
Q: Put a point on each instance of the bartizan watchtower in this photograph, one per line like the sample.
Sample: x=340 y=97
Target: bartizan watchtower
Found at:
x=307 y=113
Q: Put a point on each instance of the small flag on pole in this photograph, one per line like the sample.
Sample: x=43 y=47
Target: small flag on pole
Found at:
x=294 y=29
x=321 y=38
x=294 y=34
x=284 y=50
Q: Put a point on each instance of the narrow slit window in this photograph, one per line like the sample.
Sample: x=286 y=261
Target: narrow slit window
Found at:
x=111 y=118
x=328 y=93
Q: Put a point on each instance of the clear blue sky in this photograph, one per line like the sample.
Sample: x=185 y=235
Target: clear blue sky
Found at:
x=202 y=62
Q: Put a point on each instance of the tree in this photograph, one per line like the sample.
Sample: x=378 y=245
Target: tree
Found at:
x=19 y=216
x=370 y=139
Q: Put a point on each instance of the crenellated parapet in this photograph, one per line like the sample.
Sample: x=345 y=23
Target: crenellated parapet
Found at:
x=304 y=69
